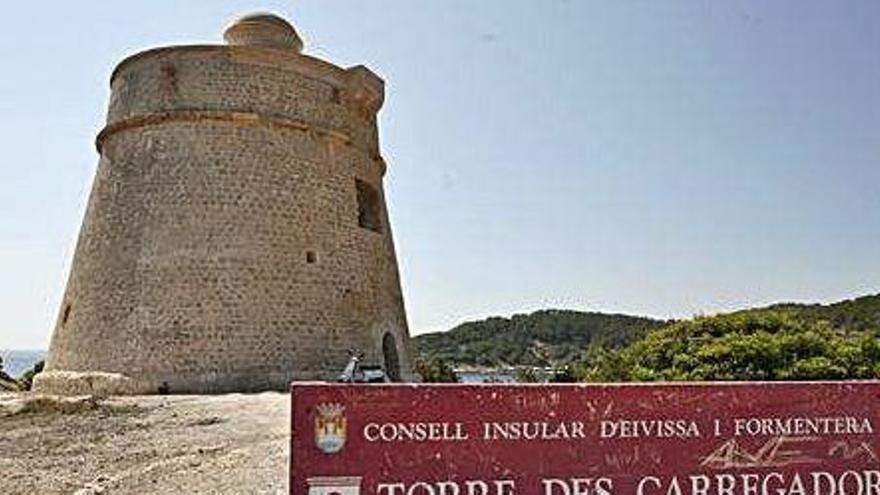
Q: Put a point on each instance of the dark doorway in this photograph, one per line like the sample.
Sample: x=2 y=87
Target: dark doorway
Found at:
x=392 y=362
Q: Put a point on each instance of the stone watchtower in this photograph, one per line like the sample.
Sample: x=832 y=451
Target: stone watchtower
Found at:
x=236 y=236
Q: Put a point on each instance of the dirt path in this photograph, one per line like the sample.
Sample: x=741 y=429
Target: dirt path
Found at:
x=160 y=444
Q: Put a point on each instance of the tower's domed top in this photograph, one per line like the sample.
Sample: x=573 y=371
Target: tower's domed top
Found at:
x=263 y=30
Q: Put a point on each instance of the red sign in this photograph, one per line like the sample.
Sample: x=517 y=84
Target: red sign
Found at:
x=685 y=439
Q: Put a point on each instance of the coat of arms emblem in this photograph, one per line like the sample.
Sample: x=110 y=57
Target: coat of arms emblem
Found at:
x=330 y=426
x=334 y=485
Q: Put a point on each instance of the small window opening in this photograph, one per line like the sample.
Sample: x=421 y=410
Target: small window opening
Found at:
x=335 y=95
x=369 y=207
x=65 y=314
x=311 y=257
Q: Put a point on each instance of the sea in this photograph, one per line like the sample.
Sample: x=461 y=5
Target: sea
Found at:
x=15 y=363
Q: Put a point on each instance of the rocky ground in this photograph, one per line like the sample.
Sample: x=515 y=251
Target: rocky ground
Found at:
x=159 y=444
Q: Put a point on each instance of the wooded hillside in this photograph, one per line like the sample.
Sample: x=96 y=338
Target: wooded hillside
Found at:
x=782 y=341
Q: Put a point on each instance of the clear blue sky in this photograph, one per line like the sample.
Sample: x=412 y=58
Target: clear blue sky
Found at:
x=659 y=157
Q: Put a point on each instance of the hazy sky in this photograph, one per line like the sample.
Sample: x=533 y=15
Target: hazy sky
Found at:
x=660 y=157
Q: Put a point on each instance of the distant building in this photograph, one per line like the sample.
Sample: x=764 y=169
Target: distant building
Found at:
x=236 y=237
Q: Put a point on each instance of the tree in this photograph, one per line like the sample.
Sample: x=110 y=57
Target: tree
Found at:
x=527 y=374
x=435 y=370
x=753 y=345
x=563 y=375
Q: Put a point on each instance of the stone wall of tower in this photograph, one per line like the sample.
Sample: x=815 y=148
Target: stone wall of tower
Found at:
x=223 y=247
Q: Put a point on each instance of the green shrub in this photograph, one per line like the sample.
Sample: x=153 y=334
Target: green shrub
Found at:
x=435 y=370
x=756 y=345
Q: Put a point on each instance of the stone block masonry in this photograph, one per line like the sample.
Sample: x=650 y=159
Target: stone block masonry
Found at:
x=236 y=236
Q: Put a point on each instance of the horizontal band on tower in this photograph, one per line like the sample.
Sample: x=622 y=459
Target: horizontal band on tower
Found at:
x=234 y=117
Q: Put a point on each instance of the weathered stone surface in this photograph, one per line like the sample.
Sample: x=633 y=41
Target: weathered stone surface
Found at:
x=222 y=247
x=91 y=383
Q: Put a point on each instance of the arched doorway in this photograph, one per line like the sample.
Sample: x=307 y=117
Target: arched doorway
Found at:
x=392 y=361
